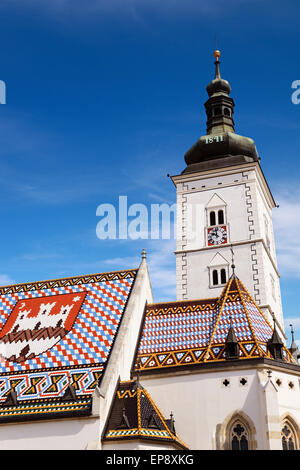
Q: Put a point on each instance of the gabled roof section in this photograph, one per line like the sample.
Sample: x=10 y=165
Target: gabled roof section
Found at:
x=189 y=333
x=55 y=338
x=134 y=415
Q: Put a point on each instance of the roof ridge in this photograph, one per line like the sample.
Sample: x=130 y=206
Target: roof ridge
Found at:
x=81 y=276
x=224 y=294
x=162 y=418
x=248 y=319
x=265 y=318
x=182 y=301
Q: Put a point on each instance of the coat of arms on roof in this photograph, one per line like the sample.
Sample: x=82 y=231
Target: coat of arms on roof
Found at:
x=37 y=324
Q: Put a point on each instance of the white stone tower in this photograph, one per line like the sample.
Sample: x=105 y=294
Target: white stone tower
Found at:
x=224 y=206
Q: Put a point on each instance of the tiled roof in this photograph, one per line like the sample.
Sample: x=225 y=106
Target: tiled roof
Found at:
x=134 y=415
x=56 y=333
x=194 y=332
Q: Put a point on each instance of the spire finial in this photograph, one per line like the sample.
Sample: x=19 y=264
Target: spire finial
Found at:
x=232 y=261
x=137 y=369
x=144 y=254
x=217 y=54
x=292 y=331
x=172 y=423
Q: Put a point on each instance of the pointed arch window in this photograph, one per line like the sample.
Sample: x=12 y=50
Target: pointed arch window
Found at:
x=288 y=436
x=239 y=436
x=237 y=432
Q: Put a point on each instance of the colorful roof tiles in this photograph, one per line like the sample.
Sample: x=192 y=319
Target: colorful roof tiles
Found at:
x=194 y=332
x=58 y=333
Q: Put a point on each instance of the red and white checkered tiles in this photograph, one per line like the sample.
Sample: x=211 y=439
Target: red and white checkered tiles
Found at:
x=91 y=337
x=172 y=331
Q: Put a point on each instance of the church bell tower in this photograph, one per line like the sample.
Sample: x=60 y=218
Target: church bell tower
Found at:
x=224 y=209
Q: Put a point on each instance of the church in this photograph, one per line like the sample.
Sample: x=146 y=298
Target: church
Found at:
x=93 y=362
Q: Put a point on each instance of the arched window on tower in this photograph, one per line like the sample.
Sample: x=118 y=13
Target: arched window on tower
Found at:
x=220 y=216
x=212 y=218
x=218 y=271
x=288 y=436
x=215 y=277
x=218 y=276
x=223 y=276
x=217 y=111
x=227 y=111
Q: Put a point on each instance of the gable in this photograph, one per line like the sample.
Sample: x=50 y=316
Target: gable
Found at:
x=218 y=260
x=215 y=201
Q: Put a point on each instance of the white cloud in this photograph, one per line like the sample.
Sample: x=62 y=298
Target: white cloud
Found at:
x=5 y=280
x=161 y=265
x=287 y=231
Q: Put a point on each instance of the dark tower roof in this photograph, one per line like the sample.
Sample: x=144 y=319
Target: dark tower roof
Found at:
x=231 y=336
x=134 y=415
x=221 y=146
x=294 y=350
x=275 y=343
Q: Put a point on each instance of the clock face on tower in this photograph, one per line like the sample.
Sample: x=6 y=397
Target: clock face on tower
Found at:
x=217 y=235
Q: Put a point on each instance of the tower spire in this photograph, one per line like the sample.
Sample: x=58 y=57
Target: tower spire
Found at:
x=219 y=107
x=226 y=147
x=294 y=350
x=275 y=344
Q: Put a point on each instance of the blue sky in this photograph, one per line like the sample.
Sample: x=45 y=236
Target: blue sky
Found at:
x=104 y=97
